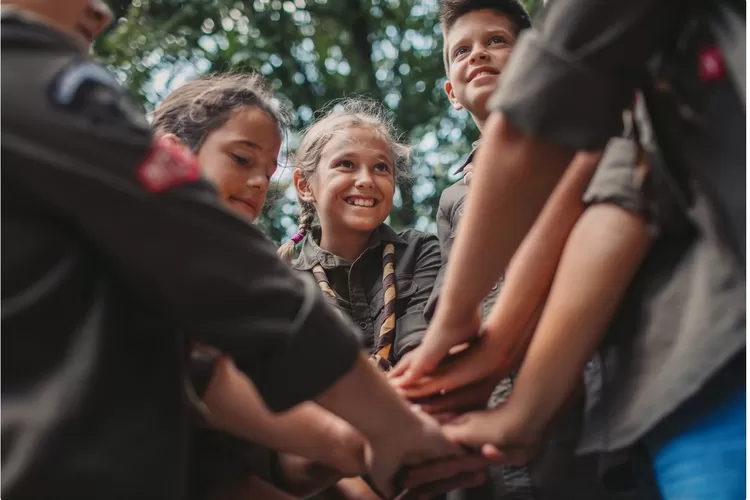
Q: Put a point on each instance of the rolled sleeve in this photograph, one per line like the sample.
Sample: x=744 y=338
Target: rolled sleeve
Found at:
x=617 y=180
x=569 y=80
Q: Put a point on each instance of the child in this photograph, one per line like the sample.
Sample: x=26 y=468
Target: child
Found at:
x=478 y=41
x=234 y=126
x=347 y=167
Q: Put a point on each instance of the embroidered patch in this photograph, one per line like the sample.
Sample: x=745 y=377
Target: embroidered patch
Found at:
x=710 y=65
x=167 y=165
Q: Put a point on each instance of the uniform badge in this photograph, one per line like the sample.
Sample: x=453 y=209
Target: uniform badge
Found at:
x=88 y=89
x=167 y=165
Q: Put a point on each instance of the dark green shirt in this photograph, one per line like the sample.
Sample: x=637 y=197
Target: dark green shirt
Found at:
x=359 y=287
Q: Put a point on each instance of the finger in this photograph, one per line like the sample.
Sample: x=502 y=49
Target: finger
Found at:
x=461 y=481
x=460 y=370
x=473 y=397
x=474 y=429
x=429 y=473
x=426 y=358
x=443 y=418
x=402 y=365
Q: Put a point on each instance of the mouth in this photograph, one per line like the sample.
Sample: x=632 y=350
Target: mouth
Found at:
x=361 y=201
x=86 y=33
x=244 y=205
x=482 y=72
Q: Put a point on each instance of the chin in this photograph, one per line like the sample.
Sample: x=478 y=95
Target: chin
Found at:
x=363 y=225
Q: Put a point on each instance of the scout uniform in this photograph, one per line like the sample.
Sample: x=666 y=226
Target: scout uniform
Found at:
x=679 y=341
x=364 y=289
x=113 y=245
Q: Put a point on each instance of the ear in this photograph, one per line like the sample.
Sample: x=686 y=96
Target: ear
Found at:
x=452 y=96
x=173 y=139
x=303 y=188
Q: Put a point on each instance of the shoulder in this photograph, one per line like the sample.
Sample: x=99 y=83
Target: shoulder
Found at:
x=420 y=242
x=453 y=195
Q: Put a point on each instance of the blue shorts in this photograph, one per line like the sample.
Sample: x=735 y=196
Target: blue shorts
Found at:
x=706 y=460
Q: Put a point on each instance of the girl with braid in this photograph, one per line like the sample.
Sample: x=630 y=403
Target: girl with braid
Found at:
x=347 y=167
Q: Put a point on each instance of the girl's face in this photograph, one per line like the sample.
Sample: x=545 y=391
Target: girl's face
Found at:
x=353 y=187
x=240 y=157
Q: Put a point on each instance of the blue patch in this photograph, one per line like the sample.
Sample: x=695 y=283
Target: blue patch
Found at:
x=70 y=82
x=90 y=90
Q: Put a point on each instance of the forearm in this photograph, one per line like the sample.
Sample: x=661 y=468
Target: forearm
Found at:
x=514 y=176
x=347 y=400
x=532 y=269
x=235 y=406
x=602 y=255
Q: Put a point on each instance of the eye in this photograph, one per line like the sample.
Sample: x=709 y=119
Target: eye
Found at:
x=460 y=51
x=382 y=167
x=240 y=160
x=497 y=39
x=345 y=164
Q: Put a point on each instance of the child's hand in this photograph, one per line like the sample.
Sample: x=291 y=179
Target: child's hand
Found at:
x=406 y=447
x=442 y=476
x=464 y=381
x=441 y=337
x=506 y=434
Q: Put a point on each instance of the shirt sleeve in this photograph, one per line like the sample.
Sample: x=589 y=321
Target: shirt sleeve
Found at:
x=173 y=247
x=569 y=79
x=411 y=326
x=444 y=237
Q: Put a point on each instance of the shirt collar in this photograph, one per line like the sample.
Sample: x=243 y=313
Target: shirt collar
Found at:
x=311 y=254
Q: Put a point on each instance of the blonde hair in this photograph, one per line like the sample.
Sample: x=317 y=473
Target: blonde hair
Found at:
x=344 y=114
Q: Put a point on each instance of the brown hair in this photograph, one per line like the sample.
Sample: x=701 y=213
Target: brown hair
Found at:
x=345 y=113
x=452 y=10
x=201 y=106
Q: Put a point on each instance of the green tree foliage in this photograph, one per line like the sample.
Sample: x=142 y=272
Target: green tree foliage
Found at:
x=313 y=51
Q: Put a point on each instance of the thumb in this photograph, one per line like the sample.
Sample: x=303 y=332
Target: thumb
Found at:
x=424 y=360
x=475 y=430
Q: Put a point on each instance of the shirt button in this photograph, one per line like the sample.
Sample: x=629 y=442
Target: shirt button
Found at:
x=363 y=325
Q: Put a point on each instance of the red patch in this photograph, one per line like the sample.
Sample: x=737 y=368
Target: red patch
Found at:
x=710 y=65
x=167 y=165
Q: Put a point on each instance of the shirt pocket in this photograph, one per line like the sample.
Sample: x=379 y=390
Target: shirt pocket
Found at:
x=405 y=290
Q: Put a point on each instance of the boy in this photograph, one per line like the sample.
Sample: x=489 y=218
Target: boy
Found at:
x=478 y=40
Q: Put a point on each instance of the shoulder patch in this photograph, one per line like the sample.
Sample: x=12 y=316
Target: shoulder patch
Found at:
x=167 y=165
x=86 y=88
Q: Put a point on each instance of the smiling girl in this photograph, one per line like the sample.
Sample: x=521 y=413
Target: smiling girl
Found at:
x=347 y=167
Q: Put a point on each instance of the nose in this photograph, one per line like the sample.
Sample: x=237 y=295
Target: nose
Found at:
x=364 y=178
x=258 y=180
x=100 y=16
x=478 y=53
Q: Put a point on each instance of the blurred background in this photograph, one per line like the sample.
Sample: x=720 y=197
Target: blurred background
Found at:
x=313 y=51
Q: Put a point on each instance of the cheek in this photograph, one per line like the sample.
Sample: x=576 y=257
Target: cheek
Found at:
x=216 y=171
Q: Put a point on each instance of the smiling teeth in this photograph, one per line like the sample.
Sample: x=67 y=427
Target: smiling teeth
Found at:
x=361 y=203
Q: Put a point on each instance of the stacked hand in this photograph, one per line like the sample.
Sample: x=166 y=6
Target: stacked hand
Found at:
x=455 y=371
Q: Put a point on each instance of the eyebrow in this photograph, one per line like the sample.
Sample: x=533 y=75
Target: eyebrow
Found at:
x=245 y=142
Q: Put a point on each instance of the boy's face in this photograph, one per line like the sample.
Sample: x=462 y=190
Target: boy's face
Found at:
x=478 y=46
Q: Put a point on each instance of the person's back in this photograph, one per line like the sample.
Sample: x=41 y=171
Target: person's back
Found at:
x=67 y=386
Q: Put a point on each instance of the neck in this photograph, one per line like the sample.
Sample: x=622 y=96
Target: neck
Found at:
x=480 y=121
x=348 y=246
